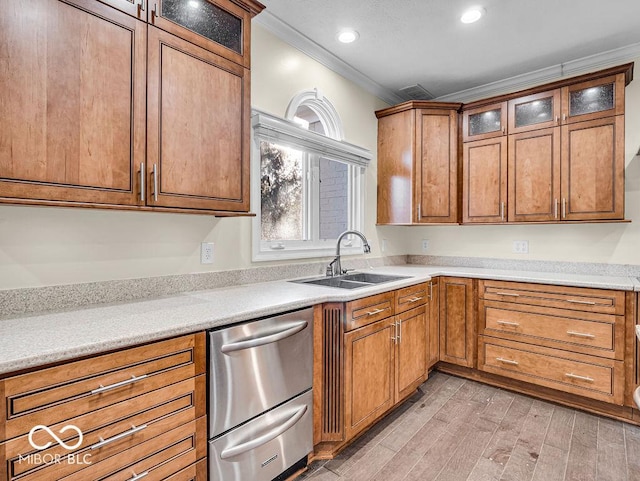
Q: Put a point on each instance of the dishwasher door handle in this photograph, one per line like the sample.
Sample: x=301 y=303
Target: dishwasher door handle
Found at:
x=261 y=341
x=265 y=438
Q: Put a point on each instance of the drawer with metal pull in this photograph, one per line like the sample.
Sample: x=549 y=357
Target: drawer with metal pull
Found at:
x=52 y=395
x=411 y=297
x=575 y=298
x=577 y=331
x=369 y=309
x=588 y=376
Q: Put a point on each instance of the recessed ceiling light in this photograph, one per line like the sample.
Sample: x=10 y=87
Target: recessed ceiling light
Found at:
x=348 y=36
x=472 y=15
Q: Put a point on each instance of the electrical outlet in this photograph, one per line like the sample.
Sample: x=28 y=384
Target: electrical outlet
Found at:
x=206 y=253
x=521 y=247
x=425 y=245
x=383 y=245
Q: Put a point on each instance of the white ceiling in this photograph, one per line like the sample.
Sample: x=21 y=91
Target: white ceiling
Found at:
x=407 y=42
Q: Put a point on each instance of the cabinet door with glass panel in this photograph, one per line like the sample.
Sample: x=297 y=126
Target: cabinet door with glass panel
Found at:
x=485 y=122
x=220 y=26
x=593 y=99
x=537 y=111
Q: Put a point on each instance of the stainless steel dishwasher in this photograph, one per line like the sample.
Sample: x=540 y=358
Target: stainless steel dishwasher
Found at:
x=260 y=399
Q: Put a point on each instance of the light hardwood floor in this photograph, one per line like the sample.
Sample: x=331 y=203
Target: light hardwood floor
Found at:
x=458 y=430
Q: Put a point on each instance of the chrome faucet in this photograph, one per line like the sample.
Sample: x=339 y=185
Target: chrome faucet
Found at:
x=335 y=267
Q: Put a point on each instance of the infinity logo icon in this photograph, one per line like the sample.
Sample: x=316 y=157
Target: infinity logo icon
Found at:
x=64 y=429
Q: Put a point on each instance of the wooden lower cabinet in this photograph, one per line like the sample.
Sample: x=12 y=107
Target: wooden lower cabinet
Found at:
x=369 y=373
x=457 y=321
x=140 y=410
x=411 y=352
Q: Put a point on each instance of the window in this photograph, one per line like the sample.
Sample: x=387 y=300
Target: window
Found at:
x=307 y=183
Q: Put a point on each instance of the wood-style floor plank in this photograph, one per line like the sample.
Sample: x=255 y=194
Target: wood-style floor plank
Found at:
x=453 y=429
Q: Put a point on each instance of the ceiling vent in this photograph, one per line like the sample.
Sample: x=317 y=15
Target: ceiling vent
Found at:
x=416 y=92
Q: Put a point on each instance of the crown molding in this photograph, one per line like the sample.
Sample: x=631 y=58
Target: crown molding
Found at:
x=572 y=68
x=298 y=40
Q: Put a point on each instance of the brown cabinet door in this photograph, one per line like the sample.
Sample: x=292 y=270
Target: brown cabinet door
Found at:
x=457 y=321
x=593 y=99
x=72 y=102
x=197 y=127
x=534 y=175
x=219 y=26
x=437 y=166
x=434 y=322
x=411 y=352
x=484 y=122
x=484 y=189
x=369 y=372
x=537 y=111
x=593 y=169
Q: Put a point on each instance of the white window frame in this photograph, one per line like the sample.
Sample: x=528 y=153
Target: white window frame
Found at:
x=267 y=127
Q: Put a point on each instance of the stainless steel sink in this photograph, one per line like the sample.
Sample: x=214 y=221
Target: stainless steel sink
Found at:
x=351 y=281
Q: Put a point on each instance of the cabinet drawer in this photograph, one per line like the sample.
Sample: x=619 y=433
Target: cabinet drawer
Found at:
x=575 y=298
x=161 y=456
x=122 y=425
x=596 y=334
x=369 y=309
x=588 y=376
x=411 y=297
x=195 y=472
x=66 y=391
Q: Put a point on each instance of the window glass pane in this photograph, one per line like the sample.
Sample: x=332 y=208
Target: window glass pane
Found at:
x=485 y=122
x=281 y=189
x=334 y=198
x=206 y=19
x=535 y=112
x=594 y=99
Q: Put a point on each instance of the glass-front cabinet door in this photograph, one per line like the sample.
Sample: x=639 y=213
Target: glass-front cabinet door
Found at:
x=218 y=26
x=594 y=99
x=537 y=111
x=485 y=122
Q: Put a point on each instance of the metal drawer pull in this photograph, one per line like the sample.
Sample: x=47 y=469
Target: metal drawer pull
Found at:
x=117 y=437
x=555 y=208
x=118 y=384
x=155 y=182
x=501 y=210
x=581 y=334
x=377 y=311
x=289 y=331
x=138 y=476
x=265 y=438
x=508 y=323
x=394 y=338
x=511 y=294
x=580 y=378
x=416 y=299
x=430 y=290
x=575 y=301
x=143 y=174
x=564 y=208
x=399 y=324
x=507 y=361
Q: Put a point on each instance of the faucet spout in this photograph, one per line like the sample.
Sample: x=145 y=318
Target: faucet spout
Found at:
x=335 y=267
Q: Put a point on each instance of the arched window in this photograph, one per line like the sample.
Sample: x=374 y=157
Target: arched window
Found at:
x=308 y=184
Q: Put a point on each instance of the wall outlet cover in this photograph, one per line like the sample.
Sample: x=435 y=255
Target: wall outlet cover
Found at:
x=521 y=247
x=206 y=253
x=425 y=245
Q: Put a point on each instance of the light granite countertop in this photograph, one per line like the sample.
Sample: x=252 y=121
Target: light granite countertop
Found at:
x=31 y=341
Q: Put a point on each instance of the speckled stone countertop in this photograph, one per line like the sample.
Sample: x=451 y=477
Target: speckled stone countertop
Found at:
x=31 y=341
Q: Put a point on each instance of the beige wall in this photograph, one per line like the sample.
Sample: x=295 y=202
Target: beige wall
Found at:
x=617 y=243
x=47 y=246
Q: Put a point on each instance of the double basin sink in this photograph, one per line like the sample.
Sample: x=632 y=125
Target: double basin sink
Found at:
x=352 y=281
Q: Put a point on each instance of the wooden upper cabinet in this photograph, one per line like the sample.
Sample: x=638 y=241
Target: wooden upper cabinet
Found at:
x=534 y=175
x=484 y=122
x=72 y=102
x=135 y=8
x=536 y=111
x=593 y=169
x=198 y=127
x=484 y=187
x=418 y=163
x=593 y=99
